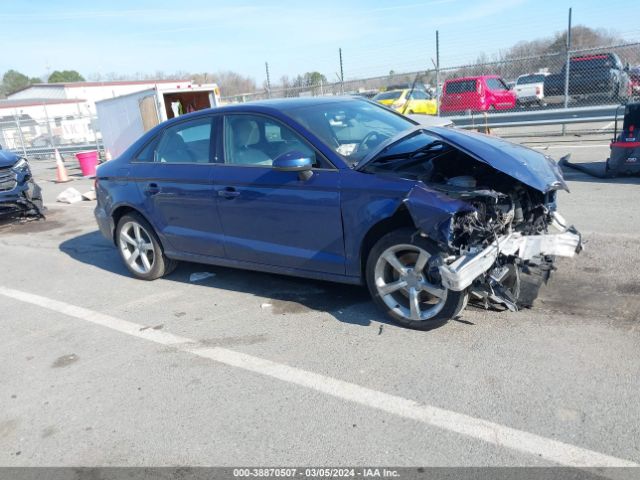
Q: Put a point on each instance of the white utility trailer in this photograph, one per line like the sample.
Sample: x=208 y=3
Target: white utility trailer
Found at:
x=124 y=119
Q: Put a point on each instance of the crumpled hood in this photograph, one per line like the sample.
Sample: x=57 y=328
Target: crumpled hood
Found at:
x=7 y=159
x=522 y=163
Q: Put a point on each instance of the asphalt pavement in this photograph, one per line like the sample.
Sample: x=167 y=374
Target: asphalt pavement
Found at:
x=245 y=368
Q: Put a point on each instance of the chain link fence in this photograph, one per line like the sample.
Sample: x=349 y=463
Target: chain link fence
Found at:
x=603 y=75
x=596 y=76
x=39 y=137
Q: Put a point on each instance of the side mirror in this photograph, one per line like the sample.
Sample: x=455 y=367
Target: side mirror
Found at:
x=294 y=161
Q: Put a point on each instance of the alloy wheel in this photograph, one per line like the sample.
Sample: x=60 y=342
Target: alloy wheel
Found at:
x=136 y=247
x=403 y=284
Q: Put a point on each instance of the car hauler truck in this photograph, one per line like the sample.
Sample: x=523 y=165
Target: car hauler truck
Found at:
x=124 y=119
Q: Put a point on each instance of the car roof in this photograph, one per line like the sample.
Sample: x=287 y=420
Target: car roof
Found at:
x=475 y=77
x=298 y=102
x=272 y=106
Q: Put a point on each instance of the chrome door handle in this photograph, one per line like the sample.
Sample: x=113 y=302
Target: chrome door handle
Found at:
x=152 y=189
x=228 y=192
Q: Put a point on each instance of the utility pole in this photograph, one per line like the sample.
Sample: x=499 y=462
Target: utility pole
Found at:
x=266 y=66
x=437 y=72
x=341 y=72
x=567 y=68
x=567 y=65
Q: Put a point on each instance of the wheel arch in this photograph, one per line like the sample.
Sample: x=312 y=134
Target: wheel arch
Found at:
x=401 y=218
x=120 y=211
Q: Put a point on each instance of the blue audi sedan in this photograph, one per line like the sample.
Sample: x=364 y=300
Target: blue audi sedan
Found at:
x=344 y=190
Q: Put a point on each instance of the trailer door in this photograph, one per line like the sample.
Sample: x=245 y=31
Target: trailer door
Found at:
x=149 y=112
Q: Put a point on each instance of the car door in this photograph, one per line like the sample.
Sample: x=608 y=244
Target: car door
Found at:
x=177 y=188
x=421 y=103
x=273 y=217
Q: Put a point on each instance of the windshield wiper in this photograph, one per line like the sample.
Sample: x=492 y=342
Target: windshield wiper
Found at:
x=408 y=155
x=384 y=146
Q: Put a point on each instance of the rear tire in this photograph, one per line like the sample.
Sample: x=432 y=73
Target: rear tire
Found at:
x=140 y=248
x=405 y=284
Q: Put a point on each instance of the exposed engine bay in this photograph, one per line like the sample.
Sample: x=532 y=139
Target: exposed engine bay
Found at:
x=500 y=235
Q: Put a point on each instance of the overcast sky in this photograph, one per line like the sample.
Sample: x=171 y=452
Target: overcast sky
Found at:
x=293 y=36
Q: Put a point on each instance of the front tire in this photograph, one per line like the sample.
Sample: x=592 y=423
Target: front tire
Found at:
x=140 y=248
x=404 y=281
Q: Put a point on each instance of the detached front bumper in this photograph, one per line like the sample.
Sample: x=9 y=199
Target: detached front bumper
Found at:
x=462 y=272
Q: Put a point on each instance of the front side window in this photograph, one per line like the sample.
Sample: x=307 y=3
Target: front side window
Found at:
x=253 y=140
x=418 y=95
x=496 y=84
x=187 y=142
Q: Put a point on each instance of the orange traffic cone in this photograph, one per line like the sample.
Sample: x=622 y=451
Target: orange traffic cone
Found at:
x=61 y=172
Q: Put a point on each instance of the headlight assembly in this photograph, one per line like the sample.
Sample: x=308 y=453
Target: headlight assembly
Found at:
x=21 y=166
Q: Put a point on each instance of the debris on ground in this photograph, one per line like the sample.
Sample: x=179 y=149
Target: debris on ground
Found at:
x=266 y=305
x=90 y=195
x=198 y=276
x=70 y=195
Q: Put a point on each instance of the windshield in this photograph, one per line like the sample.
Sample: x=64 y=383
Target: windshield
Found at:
x=595 y=62
x=530 y=79
x=352 y=129
x=388 y=95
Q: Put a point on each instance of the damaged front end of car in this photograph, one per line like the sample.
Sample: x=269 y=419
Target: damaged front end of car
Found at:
x=20 y=195
x=491 y=207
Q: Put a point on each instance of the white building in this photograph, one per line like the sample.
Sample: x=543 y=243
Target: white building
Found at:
x=91 y=92
x=47 y=114
x=44 y=121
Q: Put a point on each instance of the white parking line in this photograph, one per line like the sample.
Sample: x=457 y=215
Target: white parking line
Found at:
x=494 y=433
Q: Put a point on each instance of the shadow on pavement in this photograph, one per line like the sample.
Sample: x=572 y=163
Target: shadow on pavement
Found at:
x=286 y=295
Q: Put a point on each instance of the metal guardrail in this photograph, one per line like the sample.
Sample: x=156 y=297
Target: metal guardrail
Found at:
x=35 y=153
x=558 y=116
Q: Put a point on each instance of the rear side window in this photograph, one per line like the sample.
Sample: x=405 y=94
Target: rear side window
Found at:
x=496 y=84
x=147 y=154
x=530 y=79
x=461 y=86
x=187 y=142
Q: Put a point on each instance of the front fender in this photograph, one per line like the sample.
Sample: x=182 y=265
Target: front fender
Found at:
x=431 y=211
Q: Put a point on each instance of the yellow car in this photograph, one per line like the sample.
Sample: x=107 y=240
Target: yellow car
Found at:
x=420 y=101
